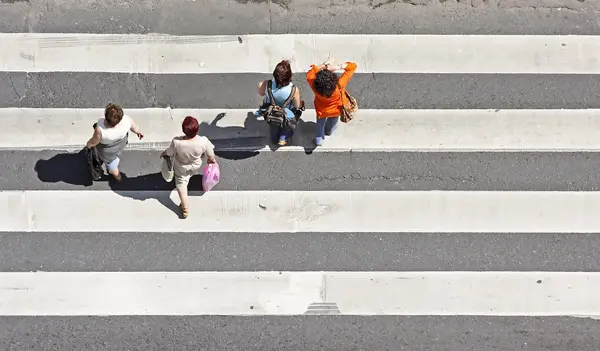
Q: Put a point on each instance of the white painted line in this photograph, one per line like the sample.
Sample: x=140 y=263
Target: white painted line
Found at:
x=372 y=130
x=303 y=211
x=154 y=53
x=291 y=293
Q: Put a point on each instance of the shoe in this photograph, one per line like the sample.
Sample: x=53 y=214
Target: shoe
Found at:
x=184 y=213
x=318 y=141
x=282 y=141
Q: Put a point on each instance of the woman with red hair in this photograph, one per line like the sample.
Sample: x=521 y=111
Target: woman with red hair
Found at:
x=187 y=153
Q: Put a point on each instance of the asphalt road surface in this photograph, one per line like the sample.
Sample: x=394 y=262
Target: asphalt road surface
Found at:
x=233 y=91
x=308 y=333
x=472 y=171
x=222 y=17
x=147 y=252
x=172 y=252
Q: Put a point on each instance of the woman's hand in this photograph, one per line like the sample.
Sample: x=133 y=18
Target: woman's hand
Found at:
x=139 y=135
x=333 y=68
x=330 y=61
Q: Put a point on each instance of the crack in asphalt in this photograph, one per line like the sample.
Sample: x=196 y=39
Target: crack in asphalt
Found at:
x=12 y=84
x=397 y=178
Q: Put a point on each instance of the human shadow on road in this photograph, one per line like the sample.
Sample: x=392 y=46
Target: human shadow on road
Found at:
x=238 y=146
x=153 y=186
x=72 y=168
x=246 y=140
x=68 y=167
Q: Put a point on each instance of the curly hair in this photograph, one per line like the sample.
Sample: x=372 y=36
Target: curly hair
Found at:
x=325 y=82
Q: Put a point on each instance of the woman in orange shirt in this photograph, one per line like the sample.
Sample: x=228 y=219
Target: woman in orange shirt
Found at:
x=328 y=88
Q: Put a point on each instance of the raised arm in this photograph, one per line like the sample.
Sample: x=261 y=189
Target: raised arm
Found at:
x=311 y=75
x=349 y=69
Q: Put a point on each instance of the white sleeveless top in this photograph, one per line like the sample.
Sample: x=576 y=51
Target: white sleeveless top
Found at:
x=116 y=133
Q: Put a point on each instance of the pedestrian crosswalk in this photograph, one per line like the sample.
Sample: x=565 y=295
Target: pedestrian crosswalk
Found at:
x=377 y=130
x=305 y=212
x=219 y=68
x=230 y=54
x=298 y=293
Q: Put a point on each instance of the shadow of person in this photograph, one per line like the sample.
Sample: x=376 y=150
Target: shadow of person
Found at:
x=304 y=135
x=245 y=142
x=235 y=142
x=153 y=187
x=68 y=167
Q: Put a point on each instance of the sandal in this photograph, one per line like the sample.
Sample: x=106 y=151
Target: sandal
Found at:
x=184 y=212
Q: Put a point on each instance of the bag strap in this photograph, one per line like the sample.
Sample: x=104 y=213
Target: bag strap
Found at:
x=342 y=93
x=270 y=92
x=289 y=99
x=169 y=161
x=272 y=99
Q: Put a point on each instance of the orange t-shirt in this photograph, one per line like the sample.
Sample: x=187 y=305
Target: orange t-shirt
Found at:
x=330 y=106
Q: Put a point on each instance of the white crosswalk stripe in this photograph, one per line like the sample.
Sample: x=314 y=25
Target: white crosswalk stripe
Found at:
x=375 y=130
x=152 y=53
x=296 y=293
x=305 y=211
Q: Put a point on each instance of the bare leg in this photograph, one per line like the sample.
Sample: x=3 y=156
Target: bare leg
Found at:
x=113 y=169
x=183 y=195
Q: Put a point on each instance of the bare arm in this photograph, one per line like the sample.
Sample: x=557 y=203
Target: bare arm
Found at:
x=134 y=128
x=95 y=139
x=262 y=88
x=296 y=101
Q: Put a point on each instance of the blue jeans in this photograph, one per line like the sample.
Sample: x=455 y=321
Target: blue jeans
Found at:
x=325 y=126
x=279 y=134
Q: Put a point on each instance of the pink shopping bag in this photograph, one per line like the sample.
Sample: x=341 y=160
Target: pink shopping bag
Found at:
x=211 y=176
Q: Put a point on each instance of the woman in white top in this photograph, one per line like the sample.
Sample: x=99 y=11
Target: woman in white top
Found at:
x=187 y=153
x=111 y=137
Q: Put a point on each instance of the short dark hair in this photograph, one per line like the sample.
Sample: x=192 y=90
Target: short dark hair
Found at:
x=113 y=114
x=282 y=73
x=325 y=82
x=190 y=127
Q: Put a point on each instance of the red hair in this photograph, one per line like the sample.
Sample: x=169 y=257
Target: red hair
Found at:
x=190 y=127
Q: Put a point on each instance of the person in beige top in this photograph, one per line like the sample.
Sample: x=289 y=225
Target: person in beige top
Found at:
x=187 y=153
